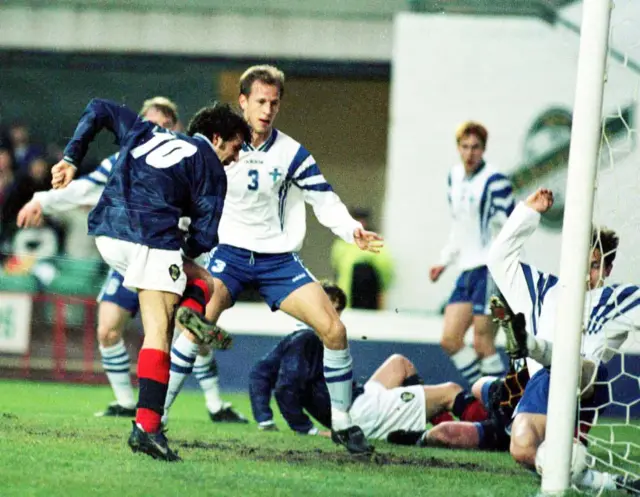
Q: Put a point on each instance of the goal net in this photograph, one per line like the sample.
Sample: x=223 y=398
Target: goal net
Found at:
x=614 y=435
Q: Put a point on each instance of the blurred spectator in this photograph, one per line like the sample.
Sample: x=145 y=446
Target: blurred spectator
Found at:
x=363 y=276
x=17 y=188
x=23 y=150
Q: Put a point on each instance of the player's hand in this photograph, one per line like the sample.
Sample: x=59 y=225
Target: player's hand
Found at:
x=324 y=433
x=30 y=215
x=541 y=200
x=435 y=272
x=62 y=174
x=368 y=240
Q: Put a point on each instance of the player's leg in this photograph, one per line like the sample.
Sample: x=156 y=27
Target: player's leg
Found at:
x=483 y=435
x=529 y=424
x=310 y=304
x=160 y=280
x=527 y=433
x=116 y=305
x=228 y=281
x=205 y=370
x=482 y=288
x=394 y=371
x=116 y=362
x=458 y=317
x=157 y=312
x=191 y=311
x=184 y=351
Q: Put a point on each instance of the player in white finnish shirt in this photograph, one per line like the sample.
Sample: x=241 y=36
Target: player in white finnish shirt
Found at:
x=611 y=311
x=262 y=228
x=481 y=199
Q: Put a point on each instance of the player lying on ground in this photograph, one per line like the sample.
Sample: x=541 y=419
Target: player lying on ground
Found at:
x=159 y=177
x=610 y=313
x=480 y=200
x=480 y=426
x=263 y=228
x=394 y=398
x=117 y=304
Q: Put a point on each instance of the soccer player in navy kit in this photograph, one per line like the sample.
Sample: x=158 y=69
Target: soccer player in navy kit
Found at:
x=159 y=177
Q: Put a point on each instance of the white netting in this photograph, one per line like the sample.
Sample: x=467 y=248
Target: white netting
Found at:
x=614 y=440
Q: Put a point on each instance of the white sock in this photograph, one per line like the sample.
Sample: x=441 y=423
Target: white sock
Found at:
x=116 y=364
x=467 y=362
x=596 y=480
x=206 y=371
x=338 y=374
x=540 y=350
x=183 y=355
x=492 y=365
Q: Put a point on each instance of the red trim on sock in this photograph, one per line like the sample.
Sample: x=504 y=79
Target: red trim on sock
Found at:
x=202 y=285
x=441 y=418
x=474 y=411
x=193 y=304
x=154 y=364
x=149 y=420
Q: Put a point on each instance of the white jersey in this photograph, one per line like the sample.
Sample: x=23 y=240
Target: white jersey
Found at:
x=82 y=192
x=610 y=311
x=264 y=210
x=480 y=205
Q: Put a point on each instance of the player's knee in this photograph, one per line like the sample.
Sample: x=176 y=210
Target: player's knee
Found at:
x=483 y=344
x=108 y=335
x=403 y=363
x=335 y=335
x=442 y=435
x=476 y=389
x=451 y=344
x=524 y=442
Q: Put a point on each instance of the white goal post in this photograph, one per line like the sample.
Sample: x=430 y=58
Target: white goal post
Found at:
x=576 y=235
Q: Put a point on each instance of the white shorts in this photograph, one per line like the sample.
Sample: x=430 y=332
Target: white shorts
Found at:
x=379 y=411
x=144 y=268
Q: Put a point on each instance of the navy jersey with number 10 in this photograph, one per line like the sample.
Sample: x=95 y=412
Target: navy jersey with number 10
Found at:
x=159 y=177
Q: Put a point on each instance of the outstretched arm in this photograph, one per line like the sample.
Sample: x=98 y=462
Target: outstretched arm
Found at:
x=305 y=174
x=290 y=389
x=98 y=115
x=522 y=286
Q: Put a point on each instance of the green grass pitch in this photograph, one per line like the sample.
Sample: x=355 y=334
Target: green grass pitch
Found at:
x=52 y=445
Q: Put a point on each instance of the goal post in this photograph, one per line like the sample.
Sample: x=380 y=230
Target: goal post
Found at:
x=575 y=247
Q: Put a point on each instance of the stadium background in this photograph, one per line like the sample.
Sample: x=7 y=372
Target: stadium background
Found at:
x=374 y=90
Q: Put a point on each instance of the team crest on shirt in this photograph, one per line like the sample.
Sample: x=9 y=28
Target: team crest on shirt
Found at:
x=174 y=272
x=407 y=396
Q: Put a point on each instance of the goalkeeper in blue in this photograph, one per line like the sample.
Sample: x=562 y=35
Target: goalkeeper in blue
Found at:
x=611 y=311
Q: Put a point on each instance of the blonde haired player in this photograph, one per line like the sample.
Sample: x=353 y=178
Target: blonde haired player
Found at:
x=263 y=228
x=480 y=199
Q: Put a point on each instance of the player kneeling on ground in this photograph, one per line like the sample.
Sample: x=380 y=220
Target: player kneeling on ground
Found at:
x=159 y=177
x=394 y=398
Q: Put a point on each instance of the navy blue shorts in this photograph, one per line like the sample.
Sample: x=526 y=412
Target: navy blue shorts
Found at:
x=113 y=291
x=275 y=276
x=475 y=286
x=536 y=394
